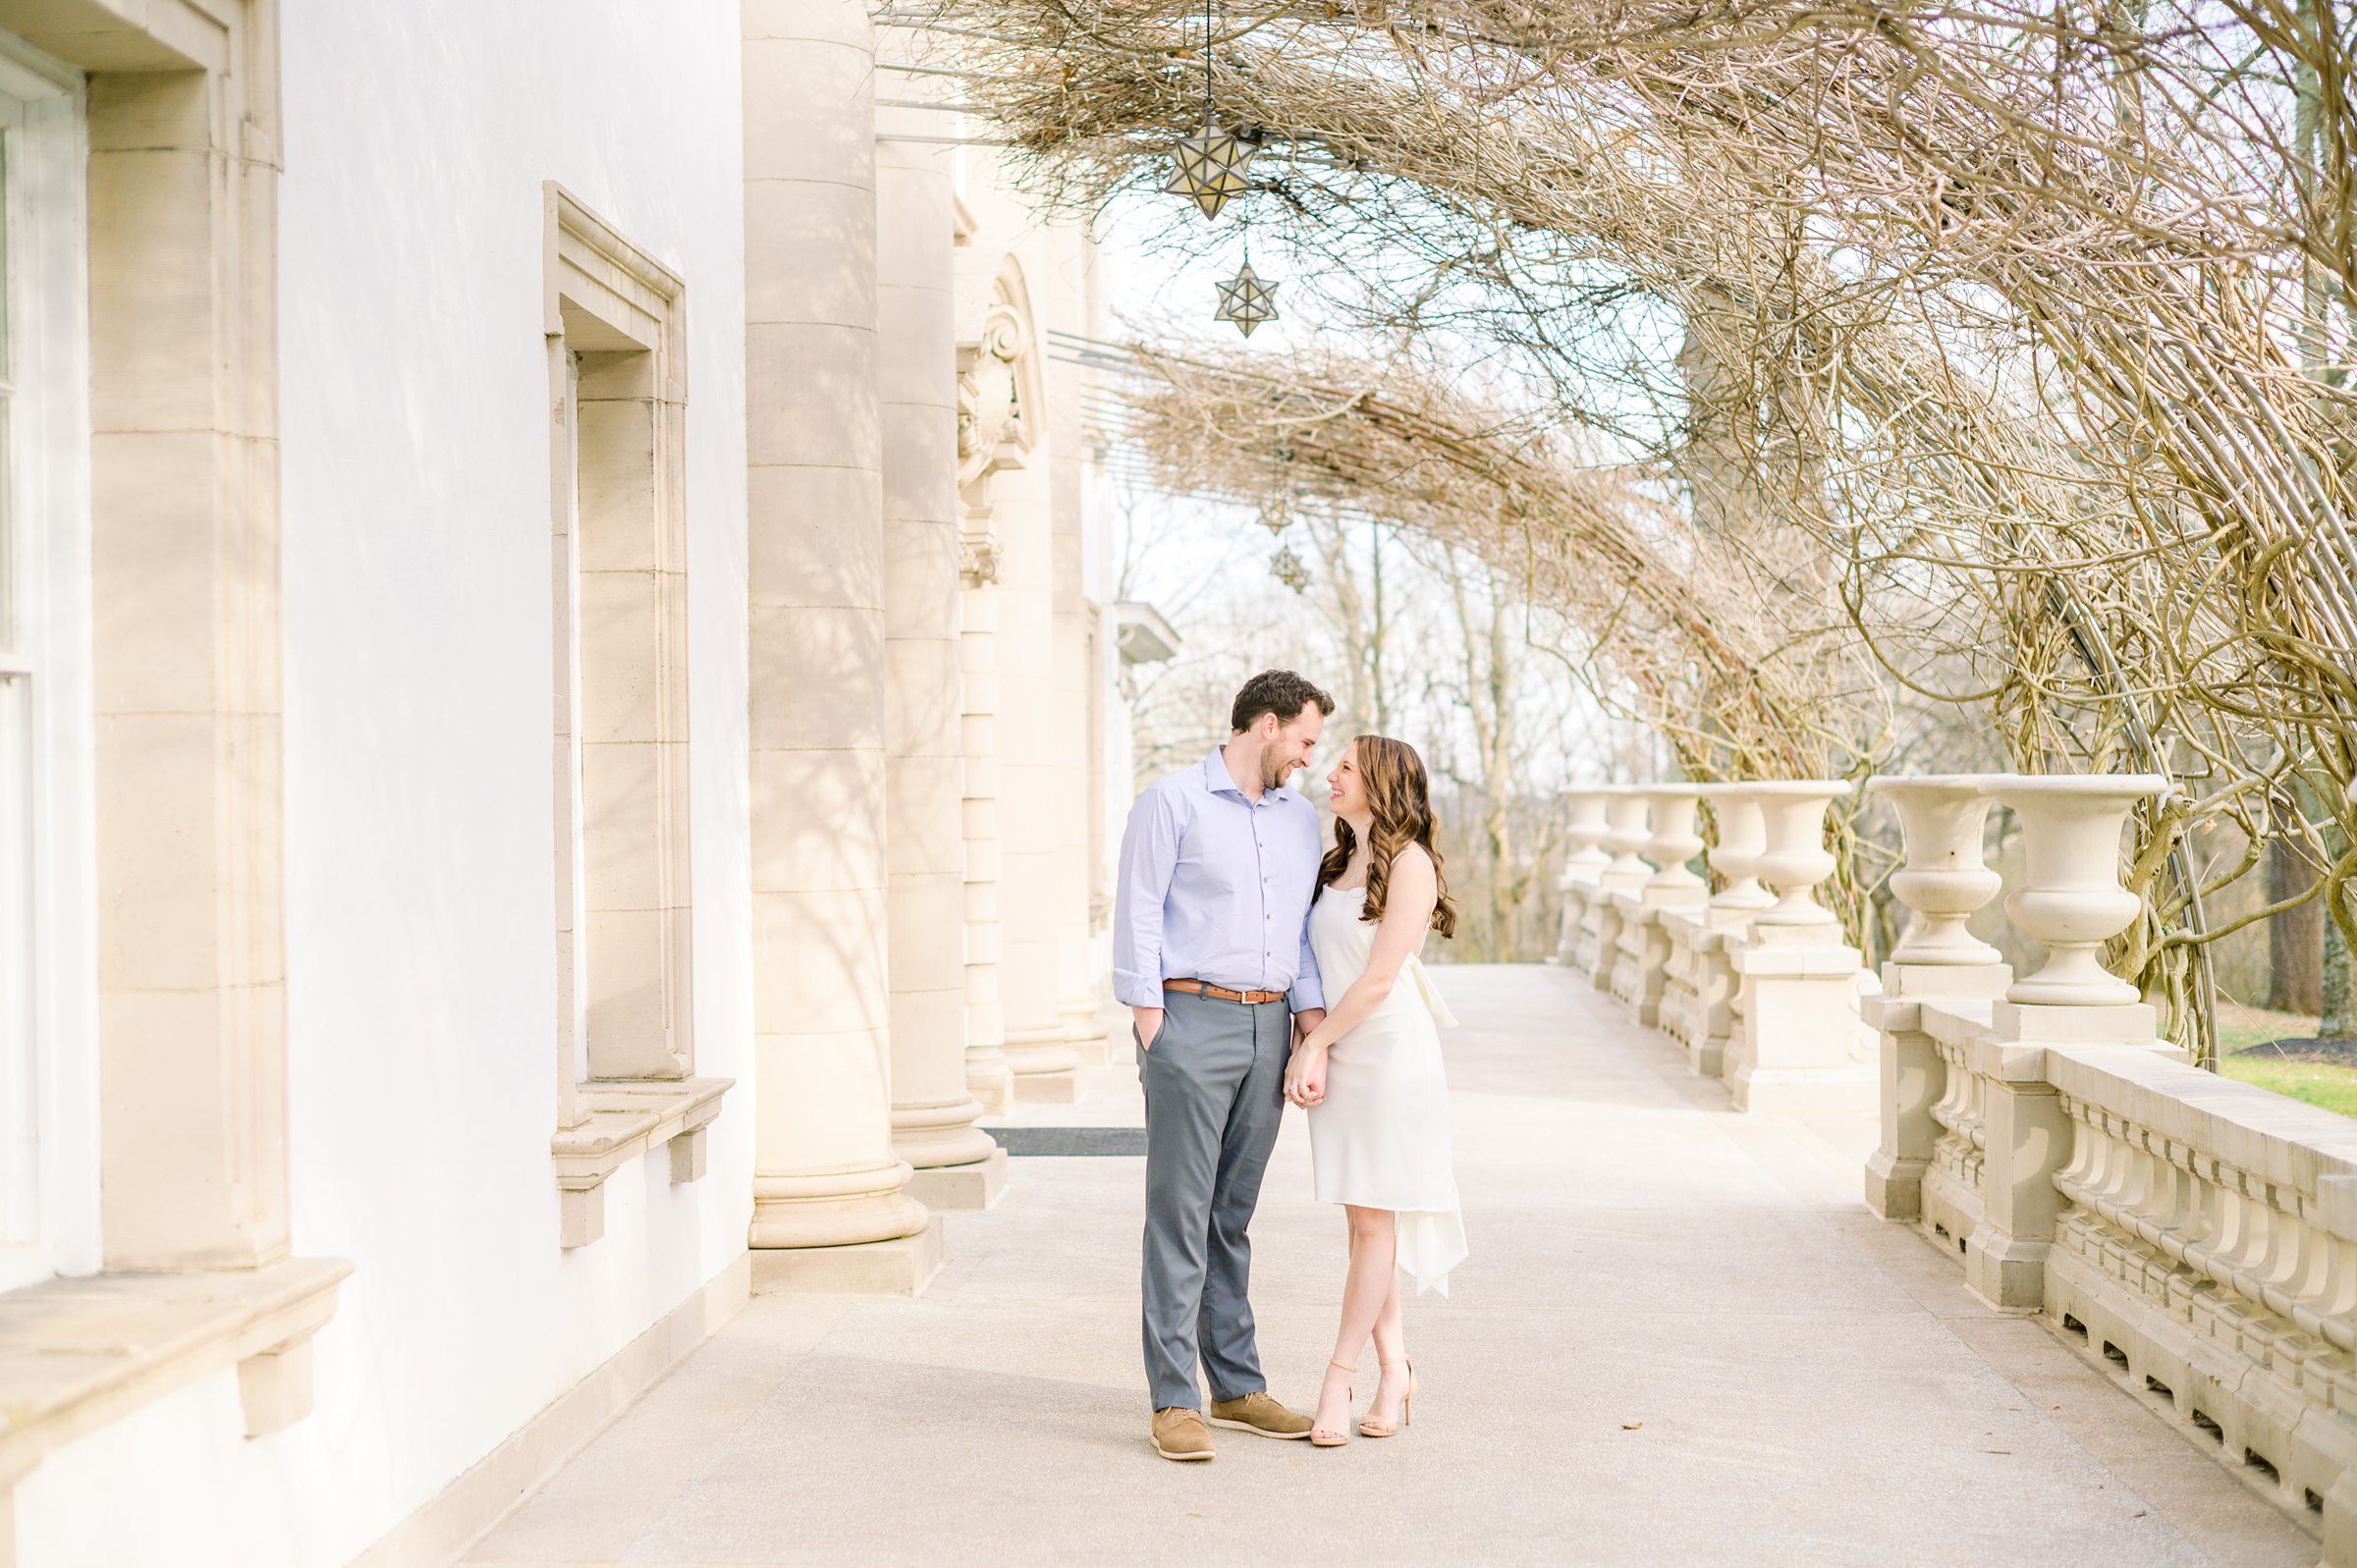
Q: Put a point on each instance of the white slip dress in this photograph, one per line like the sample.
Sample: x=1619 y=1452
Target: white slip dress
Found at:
x=1380 y=1138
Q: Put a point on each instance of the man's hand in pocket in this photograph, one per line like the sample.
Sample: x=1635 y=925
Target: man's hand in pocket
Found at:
x=1149 y=1024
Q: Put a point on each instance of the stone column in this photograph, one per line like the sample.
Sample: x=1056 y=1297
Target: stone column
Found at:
x=956 y=1163
x=1032 y=780
x=995 y=370
x=987 y=1077
x=829 y=1207
x=1078 y=995
x=1943 y=883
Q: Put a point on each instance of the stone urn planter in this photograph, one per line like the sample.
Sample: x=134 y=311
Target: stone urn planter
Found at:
x=1674 y=841
x=2071 y=898
x=1625 y=813
x=1585 y=831
x=1944 y=881
x=1742 y=837
x=1794 y=859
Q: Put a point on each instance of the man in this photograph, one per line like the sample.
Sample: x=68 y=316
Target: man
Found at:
x=1211 y=952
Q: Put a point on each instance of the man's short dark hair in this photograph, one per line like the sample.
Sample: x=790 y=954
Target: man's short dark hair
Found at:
x=1276 y=691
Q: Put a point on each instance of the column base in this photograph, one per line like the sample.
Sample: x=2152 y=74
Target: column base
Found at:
x=1894 y=1186
x=835 y=1208
x=976 y=1185
x=1707 y=1055
x=927 y=1136
x=901 y=1267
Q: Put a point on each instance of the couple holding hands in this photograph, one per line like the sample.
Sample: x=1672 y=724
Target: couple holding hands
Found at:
x=1261 y=970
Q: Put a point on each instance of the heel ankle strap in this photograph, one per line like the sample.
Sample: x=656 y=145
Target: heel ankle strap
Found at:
x=1331 y=1362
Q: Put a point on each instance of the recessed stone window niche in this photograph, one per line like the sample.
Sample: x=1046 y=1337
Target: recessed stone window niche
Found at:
x=617 y=393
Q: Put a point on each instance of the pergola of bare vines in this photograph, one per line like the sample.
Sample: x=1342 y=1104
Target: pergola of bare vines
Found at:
x=1680 y=634
x=2022 y=330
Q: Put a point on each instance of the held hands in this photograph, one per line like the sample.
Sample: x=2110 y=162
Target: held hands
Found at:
x=1305 y=1075
x=1305 y=1071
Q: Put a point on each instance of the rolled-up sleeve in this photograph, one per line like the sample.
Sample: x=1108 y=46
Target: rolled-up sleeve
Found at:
x=1149 y=856
x=1309 y=988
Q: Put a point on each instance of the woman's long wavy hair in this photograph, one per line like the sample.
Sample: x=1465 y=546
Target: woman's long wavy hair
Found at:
x=1393 y=775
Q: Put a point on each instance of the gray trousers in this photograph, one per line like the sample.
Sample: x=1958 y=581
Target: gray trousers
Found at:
x=1215 y=1093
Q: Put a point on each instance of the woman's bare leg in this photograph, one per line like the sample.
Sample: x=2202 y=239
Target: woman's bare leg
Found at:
x=1374 y=1261
x=1391 y=1350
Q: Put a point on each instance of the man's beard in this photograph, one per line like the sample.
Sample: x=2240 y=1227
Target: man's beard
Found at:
x=1274 y=770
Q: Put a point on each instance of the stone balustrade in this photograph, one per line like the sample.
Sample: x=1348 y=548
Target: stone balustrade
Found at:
x=1796 y=1030
x=1625 y=833
x=2193 y=1237
x=1772 y=1010
x=1928 y=1165
x=2206 y=1251
x=1679 y=1016
x=1583 y=861
x=1699 y=998
x=1639 y=973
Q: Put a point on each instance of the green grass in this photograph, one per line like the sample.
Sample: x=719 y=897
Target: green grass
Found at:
x=2239 y=1025
x=2257 y=1031
x=2332 y=1088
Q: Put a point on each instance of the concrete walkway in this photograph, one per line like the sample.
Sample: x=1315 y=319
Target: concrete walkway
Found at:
x=1680 y=1340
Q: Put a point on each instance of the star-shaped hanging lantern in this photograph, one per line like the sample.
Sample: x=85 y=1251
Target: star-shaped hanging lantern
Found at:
x=1211 y=168
x=1246 y=300
x=1277 y=514
x=1287 y=568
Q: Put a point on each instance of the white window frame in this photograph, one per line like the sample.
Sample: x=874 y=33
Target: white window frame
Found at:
x=49 y=1170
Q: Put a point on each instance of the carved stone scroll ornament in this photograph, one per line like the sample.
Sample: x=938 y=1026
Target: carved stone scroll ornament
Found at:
x=978 y=558
x=992 y=428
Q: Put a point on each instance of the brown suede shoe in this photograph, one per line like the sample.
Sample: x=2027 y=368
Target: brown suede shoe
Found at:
x=1178 y=1434
x=1259 y=1413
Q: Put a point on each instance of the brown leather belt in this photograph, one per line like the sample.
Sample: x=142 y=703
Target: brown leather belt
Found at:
x=1204 y=988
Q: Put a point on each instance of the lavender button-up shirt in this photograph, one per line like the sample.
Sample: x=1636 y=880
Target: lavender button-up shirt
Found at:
x=1216 y=887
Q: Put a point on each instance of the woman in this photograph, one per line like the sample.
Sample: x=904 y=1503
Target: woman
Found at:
x=1370 y=1073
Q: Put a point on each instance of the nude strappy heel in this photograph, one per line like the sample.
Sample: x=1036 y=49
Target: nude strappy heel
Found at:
x=1319 y=1437
x=1371 y=1427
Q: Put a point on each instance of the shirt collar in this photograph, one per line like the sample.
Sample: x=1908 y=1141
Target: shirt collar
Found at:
x=1219 y=781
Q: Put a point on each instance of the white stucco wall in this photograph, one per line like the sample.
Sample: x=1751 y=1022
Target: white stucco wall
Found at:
x=414 y=447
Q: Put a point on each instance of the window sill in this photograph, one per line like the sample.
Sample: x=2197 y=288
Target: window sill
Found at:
x=627 y=1119
x=75 y=1354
